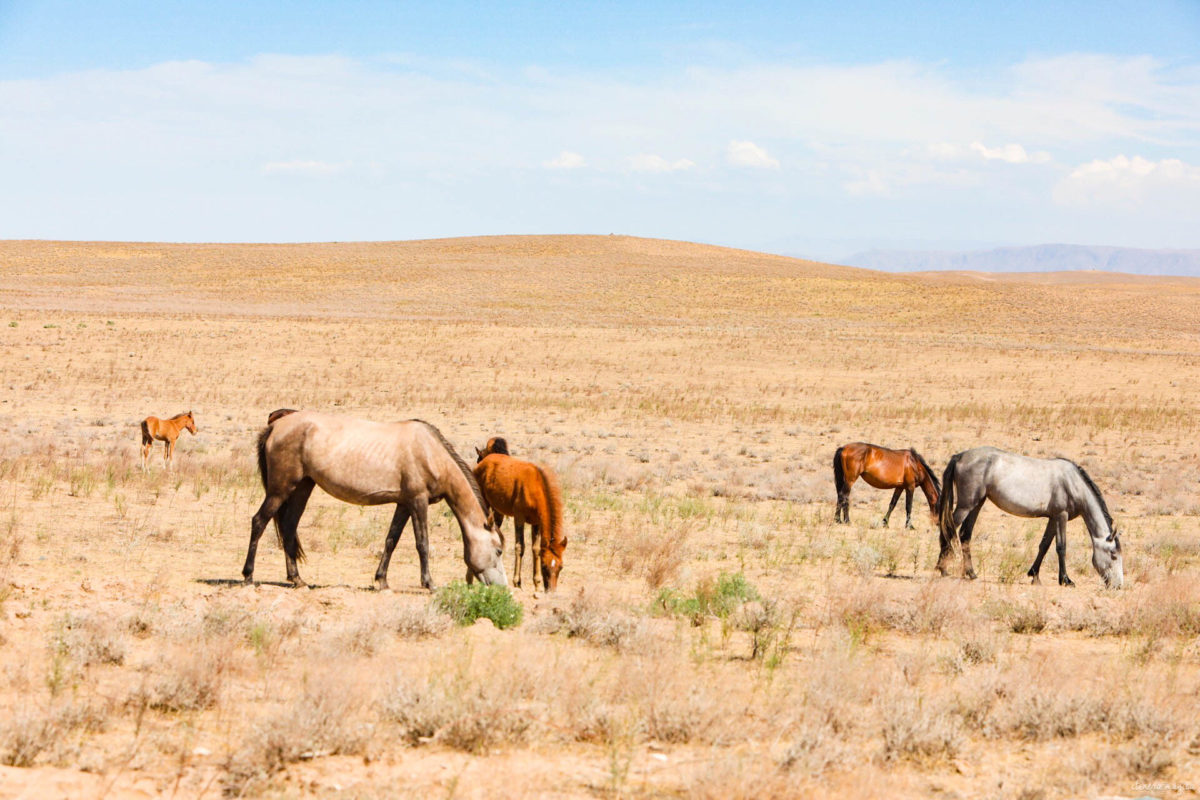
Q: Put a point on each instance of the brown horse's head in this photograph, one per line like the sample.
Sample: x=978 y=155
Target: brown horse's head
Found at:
x=191 y=423
x=552 y=564
x=496 y=444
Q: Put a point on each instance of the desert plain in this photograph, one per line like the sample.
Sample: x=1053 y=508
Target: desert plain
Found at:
x=690 y=399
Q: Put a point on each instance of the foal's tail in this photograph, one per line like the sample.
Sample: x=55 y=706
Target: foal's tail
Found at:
x=552 y=513
x=146 y=437
x=946 y=503
x=839 y=474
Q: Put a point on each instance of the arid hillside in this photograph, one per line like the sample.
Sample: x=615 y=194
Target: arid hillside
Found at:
x=715 y=633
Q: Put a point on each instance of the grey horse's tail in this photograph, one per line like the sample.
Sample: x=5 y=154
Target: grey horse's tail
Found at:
x=946 y=503
x=839 y=474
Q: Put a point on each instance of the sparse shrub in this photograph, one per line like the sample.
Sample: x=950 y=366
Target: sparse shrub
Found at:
x=1027 y=618
x=717 y=598
x=467 y=603
x=584 y=619
x=460 y=716
x=912 y=731
x=315 y=725
x=27 y=734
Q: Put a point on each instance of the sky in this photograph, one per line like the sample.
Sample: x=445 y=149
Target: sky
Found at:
x=817 y=129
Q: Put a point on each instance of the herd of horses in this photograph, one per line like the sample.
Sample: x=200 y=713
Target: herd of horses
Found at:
x=412 y=465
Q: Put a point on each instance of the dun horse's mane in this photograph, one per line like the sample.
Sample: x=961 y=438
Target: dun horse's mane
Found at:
x=1096 y=491
x=462 y=465
x=932 y=475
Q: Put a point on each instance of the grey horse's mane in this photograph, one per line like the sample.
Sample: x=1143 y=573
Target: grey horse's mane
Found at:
x=1096 y=491
x=462 y=465
x=932 y=475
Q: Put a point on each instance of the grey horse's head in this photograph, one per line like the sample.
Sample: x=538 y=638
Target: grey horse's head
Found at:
x=1106 y=558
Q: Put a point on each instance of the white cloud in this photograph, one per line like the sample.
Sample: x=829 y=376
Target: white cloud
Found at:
x=300 y=167
x=565 y=160
x=871 y=184
x=1127 y=181
x=748 y=154
x=646 y=162
x=1010 y=153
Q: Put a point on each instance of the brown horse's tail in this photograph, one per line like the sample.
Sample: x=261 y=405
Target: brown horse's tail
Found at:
x=146 y=437
x=839 y=474
x=930 y=476
x=946 y=506
x=552 y=514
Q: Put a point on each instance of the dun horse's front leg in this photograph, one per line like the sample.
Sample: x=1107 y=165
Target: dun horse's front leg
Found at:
x=420 y=518
x=399 y=520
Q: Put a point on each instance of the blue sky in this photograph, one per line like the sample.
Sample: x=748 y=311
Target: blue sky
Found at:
x=818 y=129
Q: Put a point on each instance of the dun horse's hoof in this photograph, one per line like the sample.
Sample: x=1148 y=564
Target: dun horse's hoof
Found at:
x=381 y=585
x=298 y=583
x=247 y=580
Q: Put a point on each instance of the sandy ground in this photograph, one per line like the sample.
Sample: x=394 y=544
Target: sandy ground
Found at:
x=690 y=398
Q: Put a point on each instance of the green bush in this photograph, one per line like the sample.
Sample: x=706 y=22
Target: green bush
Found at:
x=465 y=604
x=718 y=598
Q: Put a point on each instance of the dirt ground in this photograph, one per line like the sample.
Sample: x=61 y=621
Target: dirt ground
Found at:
x=690 y=399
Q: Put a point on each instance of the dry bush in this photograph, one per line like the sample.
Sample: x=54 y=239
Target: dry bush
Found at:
x=587 y=619
x=25 y=735
x=918 y=728
x=655 y=553
x=317 y=724
x=472 y=717
x=190 y=679
x=88 y=639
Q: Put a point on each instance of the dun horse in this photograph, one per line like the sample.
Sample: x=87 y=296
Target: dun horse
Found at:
x=902 y=470
x=167 y=431
x=529 y=494
x=369 y=463
x=1054 y=488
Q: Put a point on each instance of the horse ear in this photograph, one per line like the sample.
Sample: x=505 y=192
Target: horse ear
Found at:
x=478 y=453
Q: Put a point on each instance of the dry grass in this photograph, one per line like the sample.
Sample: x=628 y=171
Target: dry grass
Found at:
x=690 y=399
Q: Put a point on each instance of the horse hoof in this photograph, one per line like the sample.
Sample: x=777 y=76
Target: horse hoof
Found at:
x=1066 y=582
x=970 y=575
x=1035 y=581
x=298 y=583
x=247 y=580
x=381 y=585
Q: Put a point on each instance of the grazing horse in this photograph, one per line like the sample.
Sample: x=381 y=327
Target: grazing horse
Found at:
x=1054 y=488
x=529 y=494
x=167 y=431
x=902 y=470
x=369 y=463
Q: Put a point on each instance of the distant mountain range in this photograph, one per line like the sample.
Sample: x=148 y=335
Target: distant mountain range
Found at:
x=1038 y=258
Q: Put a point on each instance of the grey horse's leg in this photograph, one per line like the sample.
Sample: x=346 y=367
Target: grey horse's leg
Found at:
x=892 y=505
x=1060 y=544
x=420 y=518
x=288 y=519
x=1043 y=548
x=399 y=520
x=518 y=549
x=908 y=495
x=968 y=527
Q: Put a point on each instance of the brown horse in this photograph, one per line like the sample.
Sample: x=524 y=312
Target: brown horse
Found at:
x=902 y=470
x=165 y=430
x=529 y=494
x=369 y=463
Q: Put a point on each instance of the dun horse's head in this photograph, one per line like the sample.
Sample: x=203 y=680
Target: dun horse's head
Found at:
x=191 y=423
x=1106 y=558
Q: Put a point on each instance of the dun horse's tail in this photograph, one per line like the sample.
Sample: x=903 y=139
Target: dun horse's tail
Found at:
x=552 y=514
x=262 y=473
x=839 y=474
x=946 y=503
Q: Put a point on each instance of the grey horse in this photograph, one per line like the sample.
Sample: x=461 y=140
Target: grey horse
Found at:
x=369 y=463
x=1055 y=488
